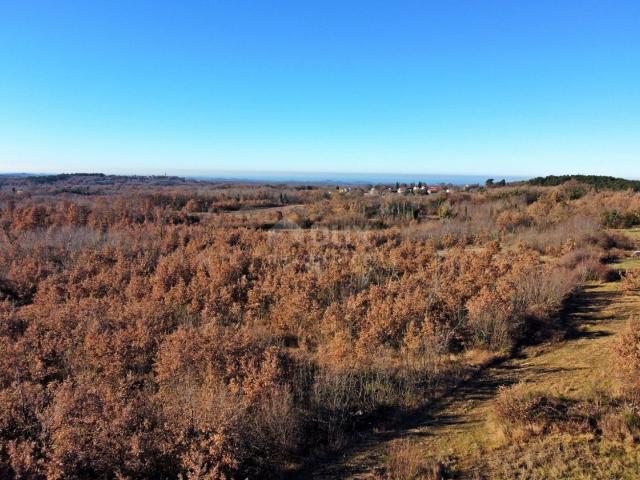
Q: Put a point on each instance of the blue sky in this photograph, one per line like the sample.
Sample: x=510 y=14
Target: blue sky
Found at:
x=467 y=87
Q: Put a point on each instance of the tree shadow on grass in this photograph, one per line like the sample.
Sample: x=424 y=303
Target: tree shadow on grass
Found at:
x=585 y=309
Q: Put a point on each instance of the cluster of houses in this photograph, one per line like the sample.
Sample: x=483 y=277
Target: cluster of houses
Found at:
x=404 y=189
x=420 y=190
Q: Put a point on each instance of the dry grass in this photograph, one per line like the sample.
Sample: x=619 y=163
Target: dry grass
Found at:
x=562 y=456
x=405 y=461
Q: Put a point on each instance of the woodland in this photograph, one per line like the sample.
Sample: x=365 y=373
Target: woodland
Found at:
x=200 y=330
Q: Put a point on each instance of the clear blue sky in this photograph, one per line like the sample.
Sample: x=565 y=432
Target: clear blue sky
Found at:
x=496 y=87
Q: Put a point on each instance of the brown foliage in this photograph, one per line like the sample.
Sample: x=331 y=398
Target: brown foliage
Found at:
x=627 y=351
x=630 y=282
x=520 y=413
x=160 y=332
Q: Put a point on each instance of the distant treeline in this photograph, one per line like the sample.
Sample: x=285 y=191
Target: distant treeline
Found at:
x=61 y=177
x=40 y=179
x=71 y=180
x=597 y=181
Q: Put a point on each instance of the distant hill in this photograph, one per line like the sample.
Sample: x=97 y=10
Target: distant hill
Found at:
x=64 y=180
x=598 y=181
x=87 y=183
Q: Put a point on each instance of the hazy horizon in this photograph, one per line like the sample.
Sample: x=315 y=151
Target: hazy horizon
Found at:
x=353 y=178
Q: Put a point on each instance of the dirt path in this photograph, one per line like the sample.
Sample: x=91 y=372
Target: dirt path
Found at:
x=459 y=430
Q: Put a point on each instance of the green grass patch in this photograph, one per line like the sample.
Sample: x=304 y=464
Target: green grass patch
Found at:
x=628 y=263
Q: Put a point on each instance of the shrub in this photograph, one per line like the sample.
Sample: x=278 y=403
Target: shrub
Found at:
x=609 y=240
x=510 y=220
x=405 y=460
x=595 y=270
x=627 y=351
x=520 y=413
x=445 y=211
x=621 y=426
x=490 y=324
x=617 y=219
x=588 y=265
x=630 y=281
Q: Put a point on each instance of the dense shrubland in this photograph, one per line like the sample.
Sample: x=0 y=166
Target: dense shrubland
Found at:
x=156 y=334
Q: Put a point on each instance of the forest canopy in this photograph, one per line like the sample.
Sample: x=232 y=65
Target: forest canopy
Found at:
x=600 y=182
